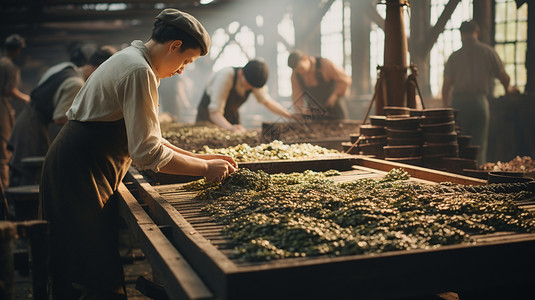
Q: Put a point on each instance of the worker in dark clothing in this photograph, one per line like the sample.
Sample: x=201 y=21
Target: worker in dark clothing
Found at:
x=113 y=122
x=318 y=87
x=9 y=81
x=49 y=103
x=229 y=88
x=469 y=73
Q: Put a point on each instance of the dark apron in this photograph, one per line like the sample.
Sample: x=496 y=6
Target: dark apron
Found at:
x=316 y=97
x=234 y=101
x=82 y=170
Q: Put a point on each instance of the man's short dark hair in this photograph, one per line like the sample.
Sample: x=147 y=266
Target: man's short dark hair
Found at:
x=294 y=58
x=100 y=56
x=76 y=54
x=163 y=32
x=14 y=42
x=469 y=27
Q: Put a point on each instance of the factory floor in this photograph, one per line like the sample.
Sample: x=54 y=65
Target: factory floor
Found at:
x=134 y=265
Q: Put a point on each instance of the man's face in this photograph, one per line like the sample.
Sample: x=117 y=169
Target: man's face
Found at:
x=302 y=66
x=175 y=61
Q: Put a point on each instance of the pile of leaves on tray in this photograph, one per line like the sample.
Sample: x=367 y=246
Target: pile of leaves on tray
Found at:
x=309 y=129
x=195 y=137
x=521 y=164
x=275 y=150
x=308 y=214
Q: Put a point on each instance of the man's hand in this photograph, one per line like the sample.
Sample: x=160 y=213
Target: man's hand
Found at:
x=512 y=90
x=331 y=102
x=238 y=128
x=218 y=170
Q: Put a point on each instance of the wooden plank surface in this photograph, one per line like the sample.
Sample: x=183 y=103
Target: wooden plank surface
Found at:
x=418 y=172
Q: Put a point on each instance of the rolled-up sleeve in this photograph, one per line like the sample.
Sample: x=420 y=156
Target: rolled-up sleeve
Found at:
x=140 y=109
x=64 y=96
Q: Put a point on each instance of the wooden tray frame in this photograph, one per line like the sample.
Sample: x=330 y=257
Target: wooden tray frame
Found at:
x=204 y=272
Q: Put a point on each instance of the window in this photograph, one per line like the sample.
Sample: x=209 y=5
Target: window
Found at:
x=235 y=53
x=448 y=41
x=511 y=34
x=336 y=35
x=286 y=31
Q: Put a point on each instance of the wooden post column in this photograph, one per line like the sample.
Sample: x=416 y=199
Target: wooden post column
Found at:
x=395 y=59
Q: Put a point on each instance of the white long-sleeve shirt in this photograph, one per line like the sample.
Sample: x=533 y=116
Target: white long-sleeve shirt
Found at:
x=220 y=84
x=126 y=86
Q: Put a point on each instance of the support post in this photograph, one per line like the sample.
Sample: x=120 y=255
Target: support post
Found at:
x=395 y=59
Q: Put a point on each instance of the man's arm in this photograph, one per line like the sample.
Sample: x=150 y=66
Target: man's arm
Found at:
x=20 y=95
x=262 y=96
x=219 y=119
x=506 y=81
x=277 y=108
x=342 y=81
x=15 y=92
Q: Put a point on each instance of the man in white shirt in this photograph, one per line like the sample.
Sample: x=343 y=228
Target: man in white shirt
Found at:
x=113 y=122
x=229 y=88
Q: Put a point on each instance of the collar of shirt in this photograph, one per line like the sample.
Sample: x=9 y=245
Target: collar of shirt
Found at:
x=469 y=41
x=145 y=51
x=56 y=68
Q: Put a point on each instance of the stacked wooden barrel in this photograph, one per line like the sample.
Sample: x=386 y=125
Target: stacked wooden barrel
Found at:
x=439 y=136
x=372 y=138
x=403 y=135
x=428 y=138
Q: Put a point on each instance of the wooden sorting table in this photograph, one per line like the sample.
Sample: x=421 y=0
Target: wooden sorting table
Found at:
x=188 y=251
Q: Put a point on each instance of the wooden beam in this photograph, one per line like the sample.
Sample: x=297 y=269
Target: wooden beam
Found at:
x=483 y=16
x=418 y=172
x=433 y=34
x=19 y=3
x=375 y=17
x=315 y=22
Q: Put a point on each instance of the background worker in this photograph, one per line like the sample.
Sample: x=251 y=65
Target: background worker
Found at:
x=318 y=86
x=469 y=73
x=113 y=122
x=49 y=103
x=229 y=88
x=9 y=82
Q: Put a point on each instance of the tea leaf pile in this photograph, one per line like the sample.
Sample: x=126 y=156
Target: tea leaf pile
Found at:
x=275 y=150
x=195 y=137
x=307 y=214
